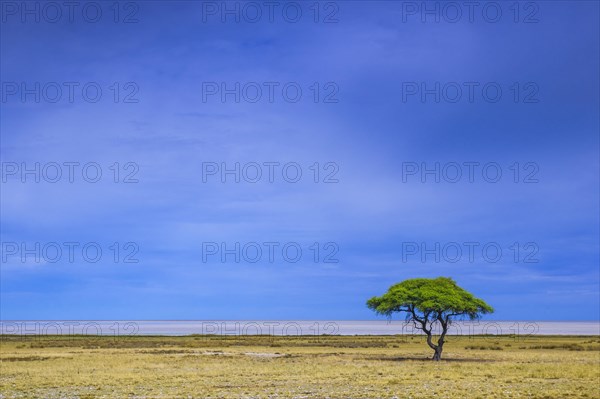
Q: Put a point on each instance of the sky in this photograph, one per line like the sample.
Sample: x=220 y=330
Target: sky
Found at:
x=210 y=160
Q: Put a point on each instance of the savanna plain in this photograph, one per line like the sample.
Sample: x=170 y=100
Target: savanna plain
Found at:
x=93 y=367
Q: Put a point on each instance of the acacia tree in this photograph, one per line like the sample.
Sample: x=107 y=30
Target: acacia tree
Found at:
x=428 y=302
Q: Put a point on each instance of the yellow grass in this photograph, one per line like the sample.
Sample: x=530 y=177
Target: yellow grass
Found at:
x=298 y=367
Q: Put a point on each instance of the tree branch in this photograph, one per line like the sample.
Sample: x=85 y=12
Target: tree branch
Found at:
x=423 y=321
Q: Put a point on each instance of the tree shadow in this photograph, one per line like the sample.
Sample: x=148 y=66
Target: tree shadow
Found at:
x=428 y=359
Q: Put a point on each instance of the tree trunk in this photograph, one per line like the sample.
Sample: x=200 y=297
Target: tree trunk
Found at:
x=437 y=355
x=440 y=344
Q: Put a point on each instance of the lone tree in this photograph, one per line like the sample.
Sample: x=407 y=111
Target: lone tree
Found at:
x=429 y=301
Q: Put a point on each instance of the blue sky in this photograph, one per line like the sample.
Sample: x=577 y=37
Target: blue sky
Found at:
x=370 y=135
